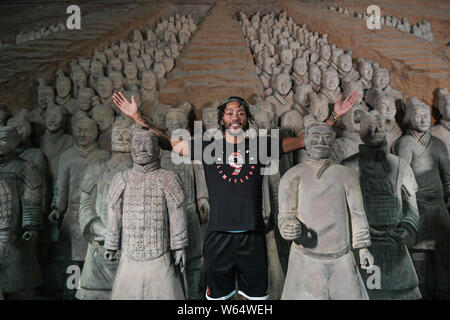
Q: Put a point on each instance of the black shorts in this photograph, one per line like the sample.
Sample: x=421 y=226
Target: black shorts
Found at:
x=236 y=256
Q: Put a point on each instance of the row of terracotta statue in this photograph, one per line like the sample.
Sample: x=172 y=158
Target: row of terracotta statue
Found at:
x=421 y=29
x=283 y=53
x=62 y=137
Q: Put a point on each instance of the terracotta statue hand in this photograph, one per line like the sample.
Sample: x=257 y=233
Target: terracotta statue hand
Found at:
x=342 y=107
x=203 y=207
x=180 y=257
x=110 y=255
x=365 y=258
x=98 y=229
x=128 y=108
x=29 y=235
x=291 y=229
x=54 y=216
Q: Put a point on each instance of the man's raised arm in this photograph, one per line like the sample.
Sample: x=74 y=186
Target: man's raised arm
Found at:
x=290 y=144
x=131 y=110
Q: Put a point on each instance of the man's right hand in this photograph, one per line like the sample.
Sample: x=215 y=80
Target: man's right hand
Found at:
x=54 y=216
x=128 y=108
x=291 y=229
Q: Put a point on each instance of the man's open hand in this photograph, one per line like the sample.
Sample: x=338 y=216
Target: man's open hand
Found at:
x=342 y=107
x=128 y=108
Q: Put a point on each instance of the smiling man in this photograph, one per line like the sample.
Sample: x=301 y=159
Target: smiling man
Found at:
x=235 y=245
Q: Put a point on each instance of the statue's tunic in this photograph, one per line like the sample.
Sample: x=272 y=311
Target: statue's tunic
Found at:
x=387 y=184
x=147 y=220
x=19 y=268
x=430 y=163
x=66 y=199
x=327 y=199
x=98 y=274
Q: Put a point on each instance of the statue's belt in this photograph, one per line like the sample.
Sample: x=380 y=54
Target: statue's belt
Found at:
x=324 y=256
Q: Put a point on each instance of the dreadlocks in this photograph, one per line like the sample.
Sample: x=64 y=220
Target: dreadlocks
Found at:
x=221 y=112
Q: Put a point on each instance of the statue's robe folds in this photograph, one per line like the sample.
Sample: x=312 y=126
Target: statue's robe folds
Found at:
x=326 y=198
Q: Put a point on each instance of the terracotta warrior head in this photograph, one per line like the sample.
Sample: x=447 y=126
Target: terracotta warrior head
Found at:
x=105 y=87
x=84 y=99
x=365 y=69
x=85 y=132
x=318 y=139
x=282 y=83
x=444 y=103
x=22 y=125
x=315 y=75
x=63 y=84
x=385 y=105
x=381 y=78
x=319 y=108
x=300 y=66
x=144 y=146
x=148 y=79
x=121 y=136
x=351 y=120
x=418 y=114
x=103 y=116
x=177 y=118
x=373 y=129
x=56 y=118
x=330 y=79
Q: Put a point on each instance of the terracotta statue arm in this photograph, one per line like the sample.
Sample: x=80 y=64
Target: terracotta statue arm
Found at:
x=60 y=193
x=90 y=223
x=358 y=220
x=114 y=224
x=444 y=168
x=290 y=227
x=31 y=203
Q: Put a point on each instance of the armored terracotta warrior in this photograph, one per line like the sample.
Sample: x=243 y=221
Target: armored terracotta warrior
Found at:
x=300 y=75
x=322 y=212
x=365 y=70
x=70 y=248
x=147 y=221
x=315 y=77
x=330 y=85
x=428 y=157
x=46 y=98
x=98 y=274
x=63 y=88
x=442 y=129
x=385 y=105
x=196 y=199
x=20 y=220
x=348 y=144
x=389 y=192
x=54 y=142
x=283 y=96
x=104 y=117
x=28 y=153
x=345 y=68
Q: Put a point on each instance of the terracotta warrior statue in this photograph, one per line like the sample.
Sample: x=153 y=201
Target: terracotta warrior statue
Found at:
x=196 y=199
x=104 y=90
x=322 y=212
x=380 y=85
x=63 y=89
x=365 y=70
x=54 y=141
x=385 y=105
x=389 y=192
x=300 y=75
x=46 y=98
x=442 y=129
x=20 y=220
x=428 y=157
x=266 y=75
x=345 y=68
x=283 y=96
x=70 y=248
x=330 y=85
x=98 y=274
x=147 y=221
x=347 y=144
x=131 y=72
x=104 y=117
x=315 y=77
